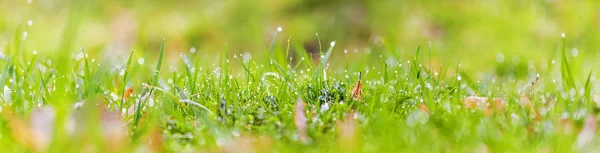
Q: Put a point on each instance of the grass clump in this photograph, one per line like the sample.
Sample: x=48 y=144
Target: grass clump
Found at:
x=288 y=106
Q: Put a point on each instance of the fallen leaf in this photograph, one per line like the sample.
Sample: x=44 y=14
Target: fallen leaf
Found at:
x=423 y=108
x=528 y=105
x=249 y=144
x=481 y=102
x=300 y=120
x=566 y=126
x=128 y=93
x=586 y=135
x=489 y=105
x=20 y=130
x=155 y=141
x=348 y=133
x=357 y=90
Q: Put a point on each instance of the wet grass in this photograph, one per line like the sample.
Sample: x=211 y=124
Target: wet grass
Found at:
x=281 y=104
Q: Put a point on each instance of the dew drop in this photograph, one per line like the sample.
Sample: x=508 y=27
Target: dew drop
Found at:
x=246 y=56
x=141 y=61
x=78 y=56
x=574 y=52
x=500 y=58
x=25 y=35
x=279 y=29
x=332 y=43
x=29 y=22
x=192 y=50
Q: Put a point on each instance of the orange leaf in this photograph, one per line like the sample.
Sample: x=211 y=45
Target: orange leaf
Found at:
x=128 y=93
x=424 y=108
x=527 y=102
x=489 y=105
x=357 y=90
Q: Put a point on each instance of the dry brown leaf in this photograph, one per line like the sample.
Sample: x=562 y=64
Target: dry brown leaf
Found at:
x=348 y=133
x=566 y=126
x=128 y=93
x=357 y=90
x=424 y=108
x=488 y=105
x=300 y=120
x=528 y=105
x=586 y=135
x=249 y=144
x=152 y=141
x=20 y=130
x=481 y=102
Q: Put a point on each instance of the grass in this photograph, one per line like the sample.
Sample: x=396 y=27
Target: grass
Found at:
x=443 y=76
x=241 y=105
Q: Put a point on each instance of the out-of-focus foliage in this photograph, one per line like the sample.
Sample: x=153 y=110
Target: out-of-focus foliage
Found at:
x=516 y=32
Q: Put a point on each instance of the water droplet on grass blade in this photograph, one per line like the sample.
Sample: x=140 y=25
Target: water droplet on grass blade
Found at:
x=6 y=95
x=79 y=56
x=141 y=61
x=25 y=35
x=29 y=22
x=574 y=52
x=279 y=29
x=246 y=56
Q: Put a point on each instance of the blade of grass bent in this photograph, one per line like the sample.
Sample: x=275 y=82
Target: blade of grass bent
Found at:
x=154 y=82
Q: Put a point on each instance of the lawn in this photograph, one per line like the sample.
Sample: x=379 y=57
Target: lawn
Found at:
x=332 y=76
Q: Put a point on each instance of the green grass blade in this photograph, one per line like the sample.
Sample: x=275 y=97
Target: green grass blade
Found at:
x=588 y=87
x=87 y=74
x=149 y=92
x=158 y=65
x=321 y=66
x=566 y=72
x=124 y=84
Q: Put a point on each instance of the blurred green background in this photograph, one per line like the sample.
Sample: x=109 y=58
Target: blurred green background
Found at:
x=486 y=35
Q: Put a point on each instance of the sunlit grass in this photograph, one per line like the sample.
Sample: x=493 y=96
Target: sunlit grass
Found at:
x=369 y=105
